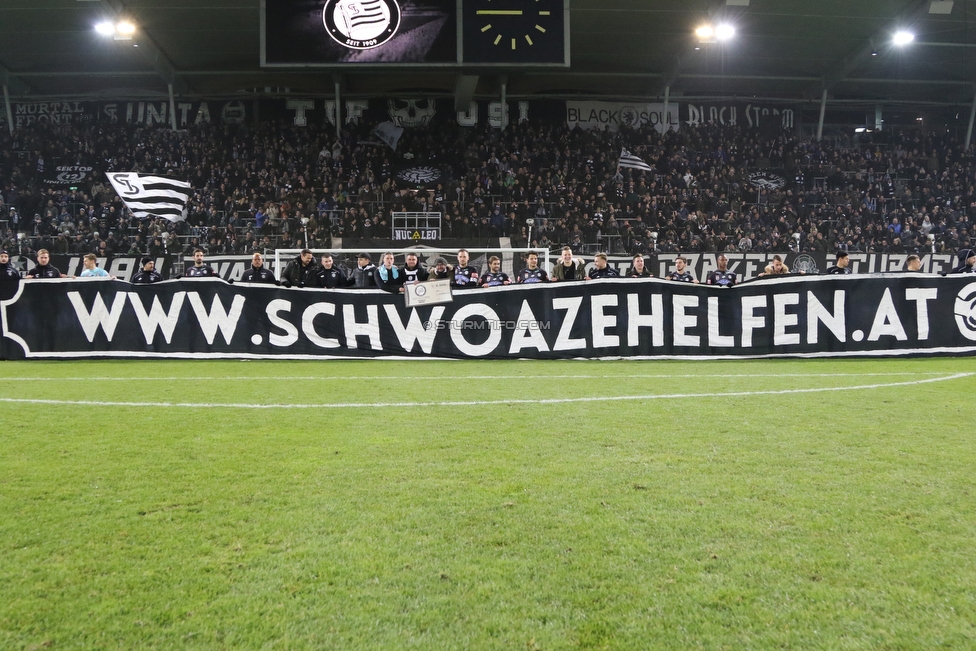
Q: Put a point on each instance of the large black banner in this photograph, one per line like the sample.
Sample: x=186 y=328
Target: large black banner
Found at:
x=892 y=314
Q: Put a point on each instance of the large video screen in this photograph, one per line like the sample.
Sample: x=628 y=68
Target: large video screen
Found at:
x=380 y=32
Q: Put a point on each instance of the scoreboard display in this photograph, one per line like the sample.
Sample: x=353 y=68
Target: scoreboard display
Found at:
x=338 y=33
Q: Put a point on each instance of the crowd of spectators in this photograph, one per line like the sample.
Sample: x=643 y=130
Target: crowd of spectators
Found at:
x=274 y=185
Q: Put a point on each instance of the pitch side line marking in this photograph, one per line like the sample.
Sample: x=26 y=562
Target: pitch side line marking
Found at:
x=623 y=376
x=474 y=403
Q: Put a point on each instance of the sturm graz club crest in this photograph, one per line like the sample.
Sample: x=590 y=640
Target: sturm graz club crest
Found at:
x=767 y=180
x=805 y=264
x=965 y=311
x=419 y=175
x=361 y=24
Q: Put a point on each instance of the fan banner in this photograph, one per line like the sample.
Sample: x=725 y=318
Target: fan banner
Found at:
x=825 y=316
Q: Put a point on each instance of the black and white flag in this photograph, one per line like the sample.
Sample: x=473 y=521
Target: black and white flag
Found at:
x=152 y=196
x=388 y=133
x=629 y=160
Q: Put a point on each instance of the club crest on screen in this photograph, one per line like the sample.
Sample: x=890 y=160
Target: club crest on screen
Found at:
x=361 y=24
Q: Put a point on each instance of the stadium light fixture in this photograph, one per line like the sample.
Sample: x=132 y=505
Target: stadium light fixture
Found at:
x=902 y=38
x=724 y=32
x=705 y=33
x=120 y=31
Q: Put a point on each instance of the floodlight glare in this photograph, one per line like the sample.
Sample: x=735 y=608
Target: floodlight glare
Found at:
x=902 y=38
x=105 y=29
x=705 y=31
x=724 y=32
x=126 y=28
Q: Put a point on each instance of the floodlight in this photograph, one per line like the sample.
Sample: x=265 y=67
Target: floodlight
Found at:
x=705 y=32
x=901 y=37
x=105 y=28
x=724 y=32
x=125 y=27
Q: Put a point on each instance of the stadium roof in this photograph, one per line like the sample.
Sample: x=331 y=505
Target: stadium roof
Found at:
x=788 y=49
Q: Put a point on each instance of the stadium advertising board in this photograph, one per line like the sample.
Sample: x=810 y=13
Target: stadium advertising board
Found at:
x=890 y=314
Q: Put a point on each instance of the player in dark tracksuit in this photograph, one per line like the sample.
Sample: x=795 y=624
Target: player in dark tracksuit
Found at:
x=532 y=273
x=148 y=275
x=681 y=273
x=327 y=275
x=465 y=276
x=199 y=269
x=9 y=277
x=721 y=276
x=44 y=268
x=258 y=273
x=495 y=275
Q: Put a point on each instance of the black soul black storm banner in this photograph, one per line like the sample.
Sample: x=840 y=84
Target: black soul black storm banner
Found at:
x=889 y=314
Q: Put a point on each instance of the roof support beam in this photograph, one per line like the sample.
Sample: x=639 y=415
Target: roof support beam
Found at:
x=150 y=50
x=11 y=81
x=464 y=91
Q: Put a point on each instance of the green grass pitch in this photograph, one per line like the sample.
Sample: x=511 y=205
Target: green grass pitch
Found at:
x=407 y=505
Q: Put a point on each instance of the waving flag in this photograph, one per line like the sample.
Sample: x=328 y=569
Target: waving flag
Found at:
x=152 y=196
x=629 y=160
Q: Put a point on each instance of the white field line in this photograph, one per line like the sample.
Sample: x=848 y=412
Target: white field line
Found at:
x=475 y=403
x=570 y=376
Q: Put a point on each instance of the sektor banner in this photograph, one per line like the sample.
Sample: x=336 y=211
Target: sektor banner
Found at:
x=890 y=314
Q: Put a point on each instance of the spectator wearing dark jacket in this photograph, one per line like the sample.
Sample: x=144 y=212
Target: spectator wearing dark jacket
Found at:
x=297 y=271
x=362 y=275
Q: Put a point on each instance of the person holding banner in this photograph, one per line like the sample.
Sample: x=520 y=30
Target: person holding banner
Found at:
x=327 y=275
x=412 y=271
x=91 y=268
x=967 y=260
x=638 y=269
x=600 y=268
x=44 y=268
x=258 y=273
x=199 y=268
x=148 y=275
x=681 y=273
x=532 y=273
x=9 y=277
x=568 y=267
x=388 y=276
x=721 y=276
x=840 y=266
x=465 y=276
x=495 y=275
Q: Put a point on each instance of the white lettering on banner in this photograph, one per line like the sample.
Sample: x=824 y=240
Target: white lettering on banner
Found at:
x=468 y=118
x=572 y=305
x=203 y=114
x=300 y=106
x=729 y=115
x=157 y=317
x=494 y=334
x=100 y=316
x=750 y=321
x=783 y=320
x=921 y=296
x=835 y=321
x=28 y=113
x=153 y=116
x=369 y=328
x=682 y=321
x=291 y=332
x=600 y=321
x=308 y=324
x=526 y=336
x=715 y=338
x=217 y=318
x=637 y=320
x=354 y=110
x=886 y=321
x=611 y=115
x=414 y=332
x=123 y=268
